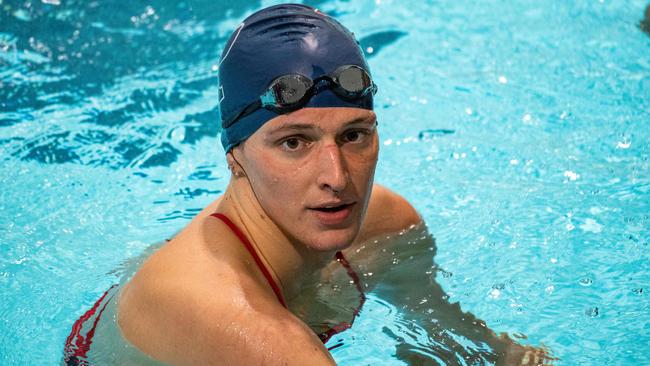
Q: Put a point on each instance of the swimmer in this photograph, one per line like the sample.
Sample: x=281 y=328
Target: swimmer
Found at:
x=237 y=285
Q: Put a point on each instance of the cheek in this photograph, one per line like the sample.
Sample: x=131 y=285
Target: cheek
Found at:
x=276 y=185
x=362 y=165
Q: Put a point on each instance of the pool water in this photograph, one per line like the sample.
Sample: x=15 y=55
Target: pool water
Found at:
x=519 y=130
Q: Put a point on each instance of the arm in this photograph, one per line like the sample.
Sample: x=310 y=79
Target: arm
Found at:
x=411 y=285
x=181 y=322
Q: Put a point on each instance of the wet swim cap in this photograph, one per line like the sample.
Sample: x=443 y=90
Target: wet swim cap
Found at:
x=275 y=41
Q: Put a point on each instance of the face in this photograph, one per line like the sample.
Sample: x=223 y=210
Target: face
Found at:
x=312 y=172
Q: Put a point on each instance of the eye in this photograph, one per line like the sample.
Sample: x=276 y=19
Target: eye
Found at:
x=355 y=136
x=293 y=143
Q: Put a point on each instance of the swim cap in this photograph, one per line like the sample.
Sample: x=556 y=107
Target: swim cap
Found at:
x=275 y=41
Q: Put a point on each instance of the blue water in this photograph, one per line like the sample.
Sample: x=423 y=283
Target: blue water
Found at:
x=518 y=129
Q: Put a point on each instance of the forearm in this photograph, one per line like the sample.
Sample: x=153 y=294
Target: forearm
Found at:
x=423 y=302
x=404 y=274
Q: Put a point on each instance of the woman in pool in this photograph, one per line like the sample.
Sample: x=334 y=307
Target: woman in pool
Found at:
x=237 y=285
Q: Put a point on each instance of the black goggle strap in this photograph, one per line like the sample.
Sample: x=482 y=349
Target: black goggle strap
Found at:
x=244 y=112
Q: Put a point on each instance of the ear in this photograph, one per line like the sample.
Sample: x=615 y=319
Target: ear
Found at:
x=234 y=166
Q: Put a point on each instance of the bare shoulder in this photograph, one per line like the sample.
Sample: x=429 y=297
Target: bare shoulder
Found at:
x=201 y=309
x=388 y=212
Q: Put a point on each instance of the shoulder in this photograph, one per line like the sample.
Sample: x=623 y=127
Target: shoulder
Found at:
x=204 y=308
x=388 y=212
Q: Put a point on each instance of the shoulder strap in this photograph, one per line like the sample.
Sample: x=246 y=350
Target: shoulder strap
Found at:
x=256 y=257
x=338 y=328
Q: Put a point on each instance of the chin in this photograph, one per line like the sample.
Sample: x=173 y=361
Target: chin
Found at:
x=332 y=240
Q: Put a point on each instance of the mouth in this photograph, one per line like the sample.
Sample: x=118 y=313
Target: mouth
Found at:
x=332 y=208
x=332 y=214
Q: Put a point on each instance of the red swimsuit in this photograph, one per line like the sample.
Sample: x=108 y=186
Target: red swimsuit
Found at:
x=325 y=336
x=77 y=344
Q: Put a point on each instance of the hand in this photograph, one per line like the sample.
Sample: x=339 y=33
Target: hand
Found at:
x=516 y=354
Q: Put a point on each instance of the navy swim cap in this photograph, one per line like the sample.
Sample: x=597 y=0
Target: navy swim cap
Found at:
x=275 y=41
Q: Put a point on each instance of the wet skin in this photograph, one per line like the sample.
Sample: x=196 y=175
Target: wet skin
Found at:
x=301 y=189
x=312 y=172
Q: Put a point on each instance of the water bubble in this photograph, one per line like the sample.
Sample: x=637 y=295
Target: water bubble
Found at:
x=623 y=144
x=571 y=175
x=592 y=312
x=430 y=134
x=446 y=274
x=592 y=226
x=586 y=281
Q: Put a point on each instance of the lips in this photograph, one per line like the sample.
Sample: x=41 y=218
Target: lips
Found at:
x=332 y=213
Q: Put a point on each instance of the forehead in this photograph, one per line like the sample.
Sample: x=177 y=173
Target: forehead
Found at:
x=320 y=118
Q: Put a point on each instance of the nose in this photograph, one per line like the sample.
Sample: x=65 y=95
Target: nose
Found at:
x=333 y=173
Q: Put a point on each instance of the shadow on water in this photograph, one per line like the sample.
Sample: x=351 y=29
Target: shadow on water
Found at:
x=375 y=42
x=645 y=22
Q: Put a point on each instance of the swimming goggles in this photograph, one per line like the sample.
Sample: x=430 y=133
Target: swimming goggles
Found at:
x=288 y=93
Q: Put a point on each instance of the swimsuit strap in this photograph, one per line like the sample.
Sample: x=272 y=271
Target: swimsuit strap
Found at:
x=325 y=336
x=256 y=257
x=338 y=328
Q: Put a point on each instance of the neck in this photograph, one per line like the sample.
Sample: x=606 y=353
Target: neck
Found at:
x=290 y=262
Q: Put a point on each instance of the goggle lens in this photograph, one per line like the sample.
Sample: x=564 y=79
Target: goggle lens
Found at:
x=353 y=80
x=290 y=89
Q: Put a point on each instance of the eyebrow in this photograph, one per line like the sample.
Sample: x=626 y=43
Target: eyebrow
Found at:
x=306 y=126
